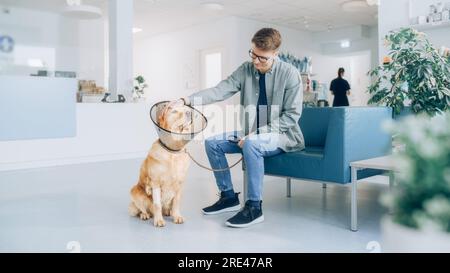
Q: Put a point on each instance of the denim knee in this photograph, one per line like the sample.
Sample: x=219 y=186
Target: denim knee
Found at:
x=251 y=146
x=211 y=144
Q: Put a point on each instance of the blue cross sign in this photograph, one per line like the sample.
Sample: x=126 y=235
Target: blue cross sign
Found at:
x=6 y=44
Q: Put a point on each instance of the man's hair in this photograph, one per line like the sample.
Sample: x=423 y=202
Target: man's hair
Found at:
x=267 y=39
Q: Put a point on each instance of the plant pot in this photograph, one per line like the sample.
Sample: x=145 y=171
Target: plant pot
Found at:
x=139 y=100
x=399 y=238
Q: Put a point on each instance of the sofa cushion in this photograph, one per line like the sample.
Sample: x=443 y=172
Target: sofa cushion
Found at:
x=308 y=163
x=314 y=125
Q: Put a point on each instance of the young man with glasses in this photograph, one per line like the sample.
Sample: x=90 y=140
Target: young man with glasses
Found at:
x=272 y=97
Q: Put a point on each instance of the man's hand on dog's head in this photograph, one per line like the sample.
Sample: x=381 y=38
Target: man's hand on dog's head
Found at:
x=176 y=103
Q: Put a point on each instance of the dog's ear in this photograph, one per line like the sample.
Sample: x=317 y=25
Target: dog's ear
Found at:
x=161 y=119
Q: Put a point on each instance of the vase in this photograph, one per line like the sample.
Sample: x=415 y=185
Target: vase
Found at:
x=139 y=100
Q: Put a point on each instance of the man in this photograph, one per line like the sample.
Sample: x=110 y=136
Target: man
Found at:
x=270 y=128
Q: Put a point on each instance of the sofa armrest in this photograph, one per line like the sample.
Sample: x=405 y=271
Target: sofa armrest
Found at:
x=354 y=133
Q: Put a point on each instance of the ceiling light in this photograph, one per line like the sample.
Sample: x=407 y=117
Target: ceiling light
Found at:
x=354 y=6
x=345 y=44
x=73 y=2
x=212 y=6
x=75 y=9
x=136 y=30
x=373 y=2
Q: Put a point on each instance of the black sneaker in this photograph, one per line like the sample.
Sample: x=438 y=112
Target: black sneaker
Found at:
x=248 y=216
x=225 y=204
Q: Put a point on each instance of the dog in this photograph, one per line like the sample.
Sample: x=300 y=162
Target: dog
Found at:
x=158 y=191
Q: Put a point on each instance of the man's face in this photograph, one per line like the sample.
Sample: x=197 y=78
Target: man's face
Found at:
x=262 y=60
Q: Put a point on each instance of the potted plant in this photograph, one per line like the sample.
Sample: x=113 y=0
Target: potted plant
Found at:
x=414 y=72
x=139 y=89
x=420 y=200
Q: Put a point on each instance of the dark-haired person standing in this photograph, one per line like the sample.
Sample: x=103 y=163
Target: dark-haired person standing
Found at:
x=340 y=88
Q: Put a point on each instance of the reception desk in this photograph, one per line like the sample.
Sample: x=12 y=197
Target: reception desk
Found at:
x=104 y=132
x=42 y=125
x=37 y=107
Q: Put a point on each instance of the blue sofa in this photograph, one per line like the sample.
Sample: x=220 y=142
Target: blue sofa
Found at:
x=334 y=137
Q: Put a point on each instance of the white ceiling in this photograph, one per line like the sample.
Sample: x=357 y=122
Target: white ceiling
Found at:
x=159 y=16
x=48 y=5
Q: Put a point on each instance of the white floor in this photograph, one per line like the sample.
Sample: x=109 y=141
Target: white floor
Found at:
x=43 y=210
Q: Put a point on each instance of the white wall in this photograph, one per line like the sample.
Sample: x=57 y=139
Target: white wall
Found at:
x=359 y=81
x=170 y=62
x=62 y=43
x=395 y=14
x=163 y=59
x=93 y=54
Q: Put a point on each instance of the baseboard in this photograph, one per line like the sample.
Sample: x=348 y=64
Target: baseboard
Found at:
x=69 y=161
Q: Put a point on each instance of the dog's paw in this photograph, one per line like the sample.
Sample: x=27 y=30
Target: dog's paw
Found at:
x=144 y=216
x=178 y=219
x=159 y=222
x=166 y=212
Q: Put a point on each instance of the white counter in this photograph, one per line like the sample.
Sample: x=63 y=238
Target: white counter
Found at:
x=103 y=132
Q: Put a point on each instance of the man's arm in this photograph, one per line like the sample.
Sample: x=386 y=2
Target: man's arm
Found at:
x=222 y=91
x=291 y=109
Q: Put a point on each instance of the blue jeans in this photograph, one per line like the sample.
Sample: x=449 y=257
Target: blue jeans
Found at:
x=256 y=147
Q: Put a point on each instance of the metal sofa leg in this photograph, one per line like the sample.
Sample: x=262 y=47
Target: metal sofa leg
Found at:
x=288 y=187
x=244 y=181
x=324 y=185
x=245 y=186
x=354 y=201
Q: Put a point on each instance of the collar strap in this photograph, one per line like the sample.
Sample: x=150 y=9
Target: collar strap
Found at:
x=168 y=149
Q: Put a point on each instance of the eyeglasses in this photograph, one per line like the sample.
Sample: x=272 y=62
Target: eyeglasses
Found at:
x=262 y=59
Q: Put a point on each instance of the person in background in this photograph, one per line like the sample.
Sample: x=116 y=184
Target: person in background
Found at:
x=340 y=88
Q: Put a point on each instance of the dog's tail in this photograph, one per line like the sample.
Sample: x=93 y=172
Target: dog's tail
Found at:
x=133 y=210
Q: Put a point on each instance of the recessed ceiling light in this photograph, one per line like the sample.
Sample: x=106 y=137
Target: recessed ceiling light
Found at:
x=345 y=44
x=212 y=6
x=136 y=30
x=354 y=6
x=373 y=2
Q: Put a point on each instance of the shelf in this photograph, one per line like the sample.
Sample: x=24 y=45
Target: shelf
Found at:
x=431 y=25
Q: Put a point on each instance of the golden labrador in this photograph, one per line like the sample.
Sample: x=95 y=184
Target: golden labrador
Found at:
x=158 y=191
